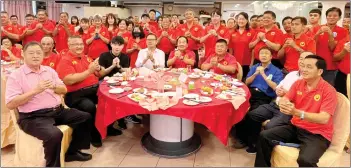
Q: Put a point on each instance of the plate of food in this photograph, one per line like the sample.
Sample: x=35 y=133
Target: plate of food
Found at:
x=136 y=97
x=167 y=87
x=194 y=76
x=127 y=88
x=116 y=91
x=205 y=90
x=224 y=88
x=190 y=102
x=237 y=83
x=124 y=83
x=191 y=96
x=205 y=99
x=140 y=90
x=216 y=84
x=218 y=77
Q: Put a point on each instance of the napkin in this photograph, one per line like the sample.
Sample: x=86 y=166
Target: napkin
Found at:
x=236 y=101
x=162 y=103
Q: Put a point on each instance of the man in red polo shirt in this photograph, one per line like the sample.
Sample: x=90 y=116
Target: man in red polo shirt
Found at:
x=221 y=62
x=342 y=56
x=192 y=32
x=174 y=21
x=314 y=19
x=62 y=31
x=165 y=40
x=14 y=22
x=286 y=22
x=50 y=58
x=213 y=33
x=296 y=45
x=80 y=74
x=7 y=28
x=22 y=32
x=145 y=24
x=153 y=22
x=269 y=36
x=311 y=102
x=40 y=28
x=326 y=39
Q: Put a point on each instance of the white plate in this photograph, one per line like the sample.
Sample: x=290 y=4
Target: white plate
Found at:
x=214 y=84
x=191 y=96
x=116 y=91
x=124 y=83
x=205 y=99
x=193 y=76
x=167 y=87
x=111 y=81
x=127 y=88
x=170 y=94
x=190 y=103
x=237 y=84
x=136 y=90
x=132 y=78
x=136 y=100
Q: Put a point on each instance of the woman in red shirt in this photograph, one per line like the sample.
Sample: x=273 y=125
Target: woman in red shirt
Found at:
x=8 y=51
x=181 y=57
x=239 y=42
x=135 y=44
x=111 y=24
x=99 y=38
x=122 y=31
x=83 y=32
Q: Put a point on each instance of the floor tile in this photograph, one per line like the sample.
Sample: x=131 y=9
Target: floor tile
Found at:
x=139 y=161
x=212 y=157
x=120 y=145
x=104 y=158
x=240 y=158
x=137 y=150
x=178 y=162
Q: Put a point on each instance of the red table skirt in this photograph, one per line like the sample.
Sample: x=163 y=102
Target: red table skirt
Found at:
x=218 y=116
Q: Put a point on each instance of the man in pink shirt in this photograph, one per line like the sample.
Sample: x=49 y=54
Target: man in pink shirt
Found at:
x=35 y=91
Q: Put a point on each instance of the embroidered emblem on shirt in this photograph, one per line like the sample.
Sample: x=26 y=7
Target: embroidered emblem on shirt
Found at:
x=10 y=28
x=302 y=44
x=273 y=33
x=335 y=34
x=74 y=62
x=225 y=63
x=299 y=93
x=222 y=31
x=234 y=35
x=183 y=29
x=248 y=34
x=317 y=97
x=270 y=76
x=196 y=29
x=89 y=59
x=52 y=64
x=103 y=33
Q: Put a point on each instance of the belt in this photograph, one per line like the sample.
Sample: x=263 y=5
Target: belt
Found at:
x=257 y=89
x=89 y=87
x=56 y=108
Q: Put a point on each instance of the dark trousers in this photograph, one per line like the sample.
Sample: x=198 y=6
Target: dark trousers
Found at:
x=42 y=125
x=329 y=76
x=312 y=146
x=275 y=62
x=253 y=120
x=85 y=100
x=196 y=59
x=166 y=59
x=340 y=83
x=258 y=98
x=246 y=69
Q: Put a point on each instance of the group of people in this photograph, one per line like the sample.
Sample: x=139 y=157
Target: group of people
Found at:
x=291 y=75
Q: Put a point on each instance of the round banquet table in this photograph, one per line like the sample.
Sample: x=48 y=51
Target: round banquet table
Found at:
x=171 y=130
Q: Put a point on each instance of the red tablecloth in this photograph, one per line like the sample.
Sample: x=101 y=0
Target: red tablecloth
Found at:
x=218 y=116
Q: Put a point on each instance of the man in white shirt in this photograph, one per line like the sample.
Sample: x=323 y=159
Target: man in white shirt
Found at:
x=150 y=57
x=248 y=132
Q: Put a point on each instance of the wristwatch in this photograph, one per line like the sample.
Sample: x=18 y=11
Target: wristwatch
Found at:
x=302 y=115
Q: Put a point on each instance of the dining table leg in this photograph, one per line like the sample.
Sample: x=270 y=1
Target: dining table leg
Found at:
x=171 y=137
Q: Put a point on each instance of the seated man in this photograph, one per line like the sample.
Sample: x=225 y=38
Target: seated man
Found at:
x=35 y=91
x=263 y=79
x=150 y=57
x=115 y=61
x=80 y=73
x=311 y=102
x=221 y=62
x=181 y=57
x=253 y=120
x=50 y=58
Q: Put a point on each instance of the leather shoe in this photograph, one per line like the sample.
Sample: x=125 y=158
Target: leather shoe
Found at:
x=96 y=143
x=113 y=132
x=77 y=156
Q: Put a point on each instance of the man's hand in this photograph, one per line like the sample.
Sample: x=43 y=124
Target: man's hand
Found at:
x=187 y=34
x=116 y=62
x=92 y=67
x=260 y=69
x=177 y=54
x=213 y=32
x=214 y=61
x=39 y=26
x=290 y=42
x=286 y=106
x=326 y=29
x=347 y=47
x=164 y=34
x=261 y=36
x=135 y=46
x=280 y=91
x=43 y=85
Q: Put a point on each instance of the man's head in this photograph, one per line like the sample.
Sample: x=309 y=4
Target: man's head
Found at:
x=333 y=15
x=230 y=23
x=151 y=40
x=47 y=43
x=314 y=16
x=104 y=19
x=117 y=44
x=298 y=24
x=196 y=20
x=265 y=55
x=221 y=47
x=314 y=66
x=6 y=42
x=33 y=54
x=260 y=21
x=253 y=21
x=42 y=15
x=152 y=14
x=136 y=19
x=346 y=23
x=14 y=19
x=189 y=15
x=174 y=18
x=166 y=22
x=97 y=19
x=145 y=18
x=268 y=18
x=286 y=22
x=182 y=43
x=64 y=17
x=130 y=26
x=302 y=57
x=75 y=44
x=29 y=19
x=4 y=18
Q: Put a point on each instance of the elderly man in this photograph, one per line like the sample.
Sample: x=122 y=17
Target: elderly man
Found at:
x=7 y=29
x=50 y=58
x=35 y=91
x=80 y=73
x=40 y=28
x=150 y=57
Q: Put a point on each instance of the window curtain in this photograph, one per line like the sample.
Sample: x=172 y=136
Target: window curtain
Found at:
x=19 y=8
x=54 y=10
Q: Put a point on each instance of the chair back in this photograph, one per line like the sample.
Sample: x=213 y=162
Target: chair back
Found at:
x=239 y=75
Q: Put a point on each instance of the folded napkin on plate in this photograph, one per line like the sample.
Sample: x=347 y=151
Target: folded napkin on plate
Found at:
x=237 y=100
x=162 y=103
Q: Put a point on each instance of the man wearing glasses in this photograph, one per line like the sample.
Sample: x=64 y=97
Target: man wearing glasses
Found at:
x=150 y=57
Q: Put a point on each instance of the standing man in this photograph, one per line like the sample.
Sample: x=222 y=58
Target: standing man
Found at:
x=296 y=45
x=145 y=24
x=40 y=28
x=150 y=57
x=269 y=36
x=311 y=102
x=260 y=22
x=286 y=22
x=342 y=56
x=192 y=32
x=22 y=32
x=50 y=58
x=326 y=38
x=314 y=19
x=346 y=23
x=165 y=40
x=153 y=22
x=7 y=29
x=14 y=22
x=174 y=21
x=35 y=91
x=253 y=22
x=62 y=31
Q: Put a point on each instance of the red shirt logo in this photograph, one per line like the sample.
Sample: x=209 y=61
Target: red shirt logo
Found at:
x=273 y=33
x=225 y=63
x=196 y=29
x=302 y=44
x=52 y=64
x=89 y=59
x=317 y=97
x=222 y=31
x=74 y=62
x=248 y=34
x=183 y=29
